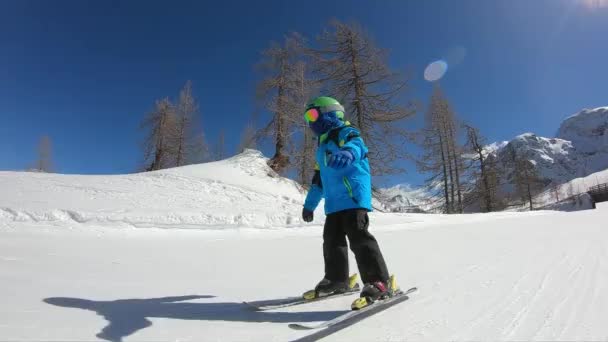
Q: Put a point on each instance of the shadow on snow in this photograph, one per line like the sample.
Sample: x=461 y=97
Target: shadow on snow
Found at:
x=127 y=316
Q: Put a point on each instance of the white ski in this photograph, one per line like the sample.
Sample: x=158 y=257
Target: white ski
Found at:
x=354 y=316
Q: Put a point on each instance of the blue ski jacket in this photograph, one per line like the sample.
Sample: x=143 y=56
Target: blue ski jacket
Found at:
x=346 y=188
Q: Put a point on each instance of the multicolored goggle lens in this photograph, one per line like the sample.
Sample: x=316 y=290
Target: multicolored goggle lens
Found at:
x=312 y=115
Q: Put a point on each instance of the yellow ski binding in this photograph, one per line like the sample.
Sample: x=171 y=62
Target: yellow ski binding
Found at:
x=312 y=294
x=362 y=302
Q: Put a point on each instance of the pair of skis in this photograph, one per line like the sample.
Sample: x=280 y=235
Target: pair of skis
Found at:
x=343 y=320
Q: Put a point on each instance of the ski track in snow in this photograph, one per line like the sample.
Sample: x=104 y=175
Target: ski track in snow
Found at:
x=528 y=276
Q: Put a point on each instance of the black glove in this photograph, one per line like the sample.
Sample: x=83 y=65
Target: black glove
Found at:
x=307 y=215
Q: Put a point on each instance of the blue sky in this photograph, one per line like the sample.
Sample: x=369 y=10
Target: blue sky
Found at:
x=86 y=72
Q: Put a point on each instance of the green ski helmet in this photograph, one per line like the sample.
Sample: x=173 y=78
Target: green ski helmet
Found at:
x=322 y=105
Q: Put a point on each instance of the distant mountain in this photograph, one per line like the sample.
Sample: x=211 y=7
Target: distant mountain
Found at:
x=403 y=198
x=580 y=148
x=556 y=160
x=588 y=132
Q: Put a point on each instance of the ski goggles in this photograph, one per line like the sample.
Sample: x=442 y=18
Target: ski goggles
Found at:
x=312 y=114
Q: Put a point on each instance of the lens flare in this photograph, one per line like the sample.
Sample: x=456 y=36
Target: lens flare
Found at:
x=435 y=71
x=594 y=4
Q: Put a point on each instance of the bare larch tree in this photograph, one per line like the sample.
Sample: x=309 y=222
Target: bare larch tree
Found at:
x=248 y=137
x=484 y=173
x=525 y=178
x=441 y=155
x=303 y=151
x=220 y=147
x=355 y=71
x=434 y=157
x=189 y=141
x=279 y=67
x=161 y=123
x=44 y=163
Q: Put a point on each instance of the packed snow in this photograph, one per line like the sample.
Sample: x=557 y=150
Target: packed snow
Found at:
x=75 y=263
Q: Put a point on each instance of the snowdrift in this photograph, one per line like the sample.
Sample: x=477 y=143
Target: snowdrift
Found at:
x=238 y=192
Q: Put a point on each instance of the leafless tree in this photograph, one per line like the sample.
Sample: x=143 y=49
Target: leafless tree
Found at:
x=200 y=151
x=355 y=71
x=44 y=163
x=555 y=189
x=525 y=177
x=570 y=190
x=220 y=148
x=279 y=66
x=303 y=150
x=189 y=141
x=161 y=123
x=248 y=137
x=485 y=175
x=441 y=157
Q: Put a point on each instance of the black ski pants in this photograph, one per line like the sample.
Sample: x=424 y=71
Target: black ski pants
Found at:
x=354 y=224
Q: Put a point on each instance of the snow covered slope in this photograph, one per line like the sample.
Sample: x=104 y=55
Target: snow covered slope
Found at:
x=502 y=276
x=570 y=191
x=483 y=277
x=240 y=191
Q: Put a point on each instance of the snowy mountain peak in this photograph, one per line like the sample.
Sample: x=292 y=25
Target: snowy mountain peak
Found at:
x=404 y=198
x=493 y=147
x=587 y=112
x=525 y=136
x=580 y=148
x=588 y=130
x=555 y=159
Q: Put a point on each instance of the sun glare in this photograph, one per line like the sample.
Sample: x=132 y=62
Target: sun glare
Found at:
x=595 y=4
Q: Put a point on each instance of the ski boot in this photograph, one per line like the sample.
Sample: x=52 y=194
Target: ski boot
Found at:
x=327 y=287
x=378 y=290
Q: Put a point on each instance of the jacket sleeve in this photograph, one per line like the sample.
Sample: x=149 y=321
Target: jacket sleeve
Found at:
x=354 y=143
x=315 y=194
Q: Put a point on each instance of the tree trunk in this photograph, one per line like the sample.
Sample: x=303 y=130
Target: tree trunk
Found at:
x=280 y=161
x=358 y=90
x=451 y=173
x=180 y=144
x=457 y=171
x=486 y=184
x=530 y=196
x=445 y=176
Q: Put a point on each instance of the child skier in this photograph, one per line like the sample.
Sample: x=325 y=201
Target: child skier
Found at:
x=342 y=176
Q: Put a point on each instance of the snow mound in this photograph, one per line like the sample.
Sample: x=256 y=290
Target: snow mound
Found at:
x=241 y=191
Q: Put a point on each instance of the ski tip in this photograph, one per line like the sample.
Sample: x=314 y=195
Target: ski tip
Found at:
x=252 y=307
x=297 y=326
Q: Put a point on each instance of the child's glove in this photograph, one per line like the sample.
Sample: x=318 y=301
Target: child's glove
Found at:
x=307 y=215
x=340 y=159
